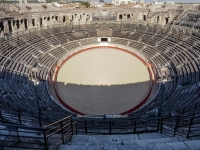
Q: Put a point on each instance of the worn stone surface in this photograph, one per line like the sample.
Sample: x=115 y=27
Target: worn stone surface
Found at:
x=145 y=147
x=193 y=143
x=150 y=136
x=150 y=141
x=77 y=147
x=147 y=141
x=177 y=145
x=162 y=146
x=24 y=16
x=126 y=147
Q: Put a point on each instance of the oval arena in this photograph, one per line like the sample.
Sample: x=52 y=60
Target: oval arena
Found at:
x=71 y=77
x=103 y=81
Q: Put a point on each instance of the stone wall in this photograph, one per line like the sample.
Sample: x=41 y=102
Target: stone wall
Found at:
x=22 y=17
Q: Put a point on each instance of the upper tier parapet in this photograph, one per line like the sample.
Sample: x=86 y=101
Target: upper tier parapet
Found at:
x=24 y=16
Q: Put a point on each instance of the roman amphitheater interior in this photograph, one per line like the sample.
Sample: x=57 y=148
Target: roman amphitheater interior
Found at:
x=110 y=78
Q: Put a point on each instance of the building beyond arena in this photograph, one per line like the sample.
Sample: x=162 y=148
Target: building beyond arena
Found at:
x=111 y=70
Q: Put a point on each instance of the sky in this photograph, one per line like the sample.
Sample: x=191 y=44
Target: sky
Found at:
x=176 y=1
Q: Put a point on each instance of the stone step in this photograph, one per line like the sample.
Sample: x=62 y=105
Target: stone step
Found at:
x=186 y=145
x=143 y=136
x=109 y=147
x=150 y=141
x=112 y=139
x=193 y=143
x=173 y=145
x=146 y=141
x=108 y=138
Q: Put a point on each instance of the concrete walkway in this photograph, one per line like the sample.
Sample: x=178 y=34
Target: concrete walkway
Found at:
x=146 y=141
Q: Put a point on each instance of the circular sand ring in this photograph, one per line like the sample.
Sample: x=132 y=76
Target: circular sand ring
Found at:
x=103 y=80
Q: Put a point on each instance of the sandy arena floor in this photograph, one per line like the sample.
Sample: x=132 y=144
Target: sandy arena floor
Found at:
x=103 y=81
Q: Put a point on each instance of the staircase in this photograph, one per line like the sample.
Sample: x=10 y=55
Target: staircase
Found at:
x=146 y=141
x=49 y=137
x=104 y=31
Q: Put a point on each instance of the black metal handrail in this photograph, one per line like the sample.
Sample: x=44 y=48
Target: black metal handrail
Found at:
x=10 y=139
x=59 y=132
x=181 y=122
x=116 y=125
x=19 y=136
x=43 y=138
x=166 y=124
x=26 y=119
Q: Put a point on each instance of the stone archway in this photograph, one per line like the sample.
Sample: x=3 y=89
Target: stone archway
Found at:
x=120 y=16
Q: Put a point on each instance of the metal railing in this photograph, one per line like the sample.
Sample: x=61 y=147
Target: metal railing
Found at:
x=42 y=138
x=11 y=138
x=168 y=124
x=21 y=118
x=116 y=125
x=22 y=137
x=184 y=125
x=59 y=132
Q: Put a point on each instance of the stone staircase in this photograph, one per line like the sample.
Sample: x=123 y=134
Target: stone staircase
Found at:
x=146 y=141
x=104 y=31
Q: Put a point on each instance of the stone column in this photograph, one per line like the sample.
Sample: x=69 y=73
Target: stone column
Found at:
x=44 y=21
x=1 y=33
x=38 y=22
x=29 y=22
x=14 y=27
x=6 y=27
x=21 y=25
x=20 y=1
